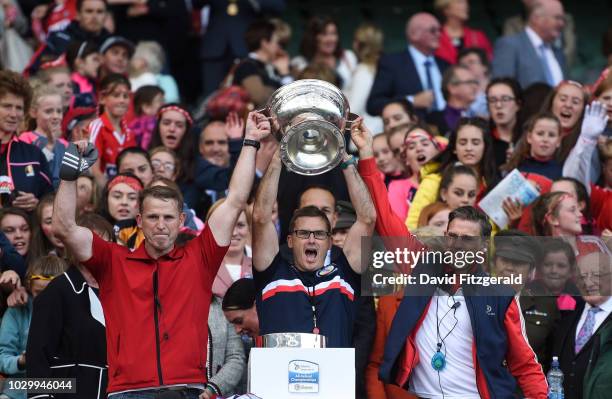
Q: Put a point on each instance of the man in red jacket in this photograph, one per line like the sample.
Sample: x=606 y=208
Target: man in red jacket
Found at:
x=155 y=297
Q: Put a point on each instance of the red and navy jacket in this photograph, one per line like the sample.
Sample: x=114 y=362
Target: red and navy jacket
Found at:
x=501 y=353
x=27 y=166
x=500 y=350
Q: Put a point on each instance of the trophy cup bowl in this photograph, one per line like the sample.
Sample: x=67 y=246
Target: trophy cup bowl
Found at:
x=309 y=118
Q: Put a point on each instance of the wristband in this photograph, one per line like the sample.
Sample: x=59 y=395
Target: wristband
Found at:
x=252 y=143
x=351 y=161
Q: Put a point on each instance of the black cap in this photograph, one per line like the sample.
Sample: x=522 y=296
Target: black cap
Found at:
x=346 y=215
x=516 y=246
x=117 y=41
x=240 y=295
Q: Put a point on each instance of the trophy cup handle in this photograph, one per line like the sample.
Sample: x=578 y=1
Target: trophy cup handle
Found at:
x=273 y=123
x=349 y=122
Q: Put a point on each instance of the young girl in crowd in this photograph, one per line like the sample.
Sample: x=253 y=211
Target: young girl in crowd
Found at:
x=567 y=102
x=16 y=321
x=557 y=214
x=236 y=264
x=458 y=187
x=419 y=147
x=579 y=191
x=109 y=132
x=135 y=160
x=46 y=127
x=87 y=194
x=535 y=152
x=395 y=139
x=165 y=163
x=504 y=103
x=398 y=113
x=581 y=162
x=147 y=102
x=119 y=205
x=17 y=227
x=556 y=271
x=435 y=216
x=84 y=60
x=44 y=242
x=173 y=131
x=471 y=145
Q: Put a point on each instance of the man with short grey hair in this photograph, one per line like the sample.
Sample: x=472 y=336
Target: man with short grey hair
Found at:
x=415 y=73
x=529 y=56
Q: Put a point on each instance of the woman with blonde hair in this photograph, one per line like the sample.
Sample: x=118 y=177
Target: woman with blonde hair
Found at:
x=236 y=263
x=146 y=69
x=368 y=45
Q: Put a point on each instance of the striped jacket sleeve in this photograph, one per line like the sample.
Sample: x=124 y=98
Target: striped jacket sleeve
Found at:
x=521 y=359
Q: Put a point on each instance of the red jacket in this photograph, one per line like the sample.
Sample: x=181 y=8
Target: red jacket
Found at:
x=601 y=207
x=156 y=311
x=387 y=306
x=471 y=38
x=109 y=142
x=522 y=366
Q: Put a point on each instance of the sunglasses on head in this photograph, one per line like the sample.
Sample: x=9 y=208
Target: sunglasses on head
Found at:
x=40 y=277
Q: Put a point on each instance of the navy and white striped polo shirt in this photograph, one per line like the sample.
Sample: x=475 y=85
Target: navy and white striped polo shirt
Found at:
x=285 y=294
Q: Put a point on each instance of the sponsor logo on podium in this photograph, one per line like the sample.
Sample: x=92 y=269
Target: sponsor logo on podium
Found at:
x=303 y=377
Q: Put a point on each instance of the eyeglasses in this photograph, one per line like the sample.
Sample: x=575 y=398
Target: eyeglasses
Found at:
x=473 y=82
x=462 y=238
x=502 y=99
x=318 y=234
x=40 y=277
x=433 y=30
x=169 y=166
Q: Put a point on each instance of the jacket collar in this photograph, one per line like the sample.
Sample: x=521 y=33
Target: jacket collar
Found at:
x=141 y=253
x=75 y=279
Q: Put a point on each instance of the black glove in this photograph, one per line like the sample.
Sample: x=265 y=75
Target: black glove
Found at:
x=74 y=163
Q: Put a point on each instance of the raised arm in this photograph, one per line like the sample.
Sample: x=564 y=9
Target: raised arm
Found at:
x=578 y=163
x=223 y=219
x=265 y=239
x=77 y=239
x=361 y=200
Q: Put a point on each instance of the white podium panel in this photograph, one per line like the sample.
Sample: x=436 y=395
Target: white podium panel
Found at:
x=287 y=373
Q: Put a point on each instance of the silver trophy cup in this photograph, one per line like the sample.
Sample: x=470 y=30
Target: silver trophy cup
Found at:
x=309 y=118
x=293 y=340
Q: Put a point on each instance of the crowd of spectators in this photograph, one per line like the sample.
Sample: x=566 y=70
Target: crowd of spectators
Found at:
x=103 y=87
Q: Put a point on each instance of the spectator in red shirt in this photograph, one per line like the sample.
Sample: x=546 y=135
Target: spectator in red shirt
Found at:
x=177 y=281
x=109 y=132
x=455 y=35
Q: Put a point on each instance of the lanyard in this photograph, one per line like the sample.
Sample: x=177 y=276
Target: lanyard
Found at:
x=311 y=299
x=7 y=154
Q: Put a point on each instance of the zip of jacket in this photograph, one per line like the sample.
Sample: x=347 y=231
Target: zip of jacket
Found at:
x=157 y=308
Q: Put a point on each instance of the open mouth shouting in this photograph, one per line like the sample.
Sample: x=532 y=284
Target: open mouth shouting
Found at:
x=566 y=117
x=20 y=246
x=171 y=140
x=311 y=254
